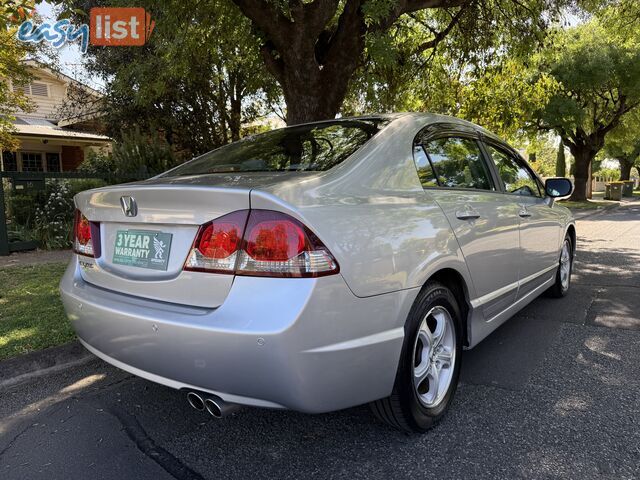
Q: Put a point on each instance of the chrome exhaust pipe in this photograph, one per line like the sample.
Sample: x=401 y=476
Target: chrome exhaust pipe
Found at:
x=218 y=408
x=196 y=401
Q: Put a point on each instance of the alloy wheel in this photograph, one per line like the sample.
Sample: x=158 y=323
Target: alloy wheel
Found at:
x=565 y=265
x=434 y=355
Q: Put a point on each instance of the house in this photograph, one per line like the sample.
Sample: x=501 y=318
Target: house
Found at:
x=62 y=128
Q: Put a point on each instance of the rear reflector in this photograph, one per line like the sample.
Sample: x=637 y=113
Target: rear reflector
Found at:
x=82 y=243
x=260 y=243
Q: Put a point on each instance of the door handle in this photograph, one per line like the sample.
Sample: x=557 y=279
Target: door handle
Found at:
x=467 y=214
x=524 y=212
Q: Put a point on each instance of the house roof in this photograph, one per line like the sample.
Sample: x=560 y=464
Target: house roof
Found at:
x=41 y=127
x=87 y=107
x=61 y=76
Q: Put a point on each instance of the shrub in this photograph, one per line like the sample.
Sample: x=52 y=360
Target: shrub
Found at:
x=53 y=220
x=20 y=207
x=19 y=233
x=608 y=173
x=81 y=184
x=97 y=163
x=140 y=155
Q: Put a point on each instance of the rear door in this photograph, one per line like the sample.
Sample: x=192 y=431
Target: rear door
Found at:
x=540 y=225
x=454 y=171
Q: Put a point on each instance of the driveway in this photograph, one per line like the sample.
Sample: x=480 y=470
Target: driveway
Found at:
x=554 y=393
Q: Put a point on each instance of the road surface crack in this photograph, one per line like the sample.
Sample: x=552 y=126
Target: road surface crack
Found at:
x=148 y=447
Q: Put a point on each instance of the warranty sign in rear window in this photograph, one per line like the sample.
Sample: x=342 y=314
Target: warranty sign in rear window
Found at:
x=143 y=249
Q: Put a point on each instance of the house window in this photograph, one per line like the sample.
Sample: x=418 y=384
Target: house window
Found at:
x=31 y=162
x=9 y=162
x=53 y=162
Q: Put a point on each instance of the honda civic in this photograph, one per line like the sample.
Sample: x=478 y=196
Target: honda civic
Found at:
x=319 y=266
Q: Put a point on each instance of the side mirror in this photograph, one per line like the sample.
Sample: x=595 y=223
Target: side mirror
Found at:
x=558 y=187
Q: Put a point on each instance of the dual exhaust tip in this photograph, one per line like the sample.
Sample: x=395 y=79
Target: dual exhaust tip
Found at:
x=216 y=407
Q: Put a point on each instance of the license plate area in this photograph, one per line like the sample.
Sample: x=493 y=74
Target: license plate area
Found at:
x=148 y=249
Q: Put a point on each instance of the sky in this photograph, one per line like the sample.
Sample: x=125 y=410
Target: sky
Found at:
x=71 y=61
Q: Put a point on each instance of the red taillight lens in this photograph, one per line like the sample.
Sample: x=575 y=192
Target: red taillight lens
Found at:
x=272 y=244
x=82 y=243
x=275 y=240
x=220 y=240
x=217 y=244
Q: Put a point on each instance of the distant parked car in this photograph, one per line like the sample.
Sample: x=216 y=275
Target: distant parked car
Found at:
x=319 y=266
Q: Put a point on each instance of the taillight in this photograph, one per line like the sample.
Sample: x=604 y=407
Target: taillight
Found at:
x=217 y=243
x=260 y=243
x=82 y=243
x=276 y=244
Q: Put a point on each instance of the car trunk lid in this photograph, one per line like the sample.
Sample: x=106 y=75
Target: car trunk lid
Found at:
x=143 y=254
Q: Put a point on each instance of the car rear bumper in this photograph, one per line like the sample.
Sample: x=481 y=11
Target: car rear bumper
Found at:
x=304 y=344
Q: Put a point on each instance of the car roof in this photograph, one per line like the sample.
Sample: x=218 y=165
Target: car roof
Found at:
x=421 y=119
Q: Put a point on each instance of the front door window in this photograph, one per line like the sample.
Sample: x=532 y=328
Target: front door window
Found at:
x=53 y=162
x=515 y=177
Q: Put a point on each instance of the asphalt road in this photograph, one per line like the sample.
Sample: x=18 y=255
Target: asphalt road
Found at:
x=554 y=393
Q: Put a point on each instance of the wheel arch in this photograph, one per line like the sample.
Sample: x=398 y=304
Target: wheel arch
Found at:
x=455 y=282
x=571 y=231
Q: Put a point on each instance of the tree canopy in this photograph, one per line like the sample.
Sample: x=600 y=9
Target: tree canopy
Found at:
x=314 y=49
x=11 y=69
x=197 y=80
x=623 y=144
x=595 y=82
x=580 y=86
x=508 y=65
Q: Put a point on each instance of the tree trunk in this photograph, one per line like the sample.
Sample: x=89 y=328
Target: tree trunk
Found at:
x=311 y=100
x=561 y=162
x=583 y=156
x=235 y=119
x=312 y=89
x=314 y=48
x=625 y=169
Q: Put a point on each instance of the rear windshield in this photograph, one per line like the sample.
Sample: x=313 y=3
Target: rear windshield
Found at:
x=313 y=147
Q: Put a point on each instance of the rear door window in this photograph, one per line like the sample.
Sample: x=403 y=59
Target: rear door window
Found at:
x=425 y=170
x=454 y=162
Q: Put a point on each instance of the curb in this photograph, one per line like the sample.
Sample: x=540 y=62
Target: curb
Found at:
x=43 y=362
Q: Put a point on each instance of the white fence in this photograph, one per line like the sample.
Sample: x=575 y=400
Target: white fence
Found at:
x=598 y=183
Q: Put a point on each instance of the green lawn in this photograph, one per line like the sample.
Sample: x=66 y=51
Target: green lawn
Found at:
x=587 y=205
x=31 y=314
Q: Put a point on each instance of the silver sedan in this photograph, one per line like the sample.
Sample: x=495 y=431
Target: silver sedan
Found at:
x=319 y=266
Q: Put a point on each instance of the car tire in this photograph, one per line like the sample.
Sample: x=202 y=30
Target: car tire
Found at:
x=565 y=267
x=414 y=404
